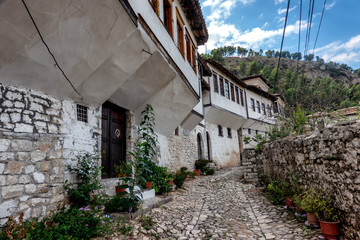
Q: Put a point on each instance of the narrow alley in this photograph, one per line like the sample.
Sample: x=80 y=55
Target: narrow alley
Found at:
x=221 y=207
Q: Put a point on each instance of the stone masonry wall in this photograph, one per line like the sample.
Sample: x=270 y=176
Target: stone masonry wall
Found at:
x=39 y=137
x=329 y=160
x=251 y=162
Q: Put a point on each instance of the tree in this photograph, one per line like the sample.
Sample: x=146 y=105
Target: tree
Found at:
x=251 y=53
x=270 y=53
x=241 y=51
x=309 y=57
x=357 y=71
x=253 y=68
x=242 y=67
x=296 y=56
x=266 y=71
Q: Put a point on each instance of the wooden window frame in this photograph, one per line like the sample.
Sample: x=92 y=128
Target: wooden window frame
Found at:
x=227 y=89
x=155 y=6
x=222 y=92
x=180 y=33
x=242 y=97
x=193 y=53
x=168 y=17
x=188 y=46
x=237 y=95
x=215 y=83
x=252 y=104
x=258 y=106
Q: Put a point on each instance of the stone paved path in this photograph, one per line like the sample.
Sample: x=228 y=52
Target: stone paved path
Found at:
x=220 y=207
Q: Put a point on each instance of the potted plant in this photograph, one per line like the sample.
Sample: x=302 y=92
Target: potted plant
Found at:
x=297 y=202
x=311 y=203
x=200 y=165
x=123 y=170
x=329 y=221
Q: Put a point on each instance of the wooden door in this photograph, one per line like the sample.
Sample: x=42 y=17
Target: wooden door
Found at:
x=113 y=144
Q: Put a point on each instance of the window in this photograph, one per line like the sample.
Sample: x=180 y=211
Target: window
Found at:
x=193 y=58
x=222 y=86
x=188 y=47
x=81 y=113
x=180 y=33
x=227 y=90
x=269 y=110
x=168 y=16
x=263 y=108
x=232 y=92
x=237 y=94
x=258 y=106
x=215 y=81
x=229 y=132
x=242 y=97
x=257 y=132
x=252 y=104
x=249 y=131
x=155 y=5
x=220 y=130
x=177 y=131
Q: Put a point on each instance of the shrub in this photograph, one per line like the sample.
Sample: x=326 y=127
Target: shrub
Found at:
x=276 y=191
x=160 y=180
x=87 y=171
x=209 y=171
x=121 y=203
x=201 y=164
x=179 y=179
x=66 y=224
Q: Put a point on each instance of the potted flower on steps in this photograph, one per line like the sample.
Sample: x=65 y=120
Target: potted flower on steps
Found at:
x=200 y=165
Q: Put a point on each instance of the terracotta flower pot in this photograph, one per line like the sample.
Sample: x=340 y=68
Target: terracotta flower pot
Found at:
x=312 y=219
x=119 y=190
x=196 y=172
x=289 y=202
x=330 y=230
x=148 y=185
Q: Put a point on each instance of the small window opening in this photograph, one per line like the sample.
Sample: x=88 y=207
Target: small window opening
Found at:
x=229 y=133
x=81 y=113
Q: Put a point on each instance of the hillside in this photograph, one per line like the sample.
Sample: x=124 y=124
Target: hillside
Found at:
x=312 y=69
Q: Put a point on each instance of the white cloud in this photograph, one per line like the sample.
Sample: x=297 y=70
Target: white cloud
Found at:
x=283 y=10
x=343 y=52
x=330 y=5
x=279 y=1
x=221 y=9
x=223 y=34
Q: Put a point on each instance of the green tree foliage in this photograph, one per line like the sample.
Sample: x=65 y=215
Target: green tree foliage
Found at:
x=241 y=51
x=296 y=56
x=253 y=68
x=242 y=67
x=309 y=57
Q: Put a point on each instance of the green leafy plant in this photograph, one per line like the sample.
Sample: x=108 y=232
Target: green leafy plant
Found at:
x=276 y=191
x=73 y=223
x=121 y=203
x=160 y=180
x=316 y=201
x=123 y=228
x=87 y=171
x=179 y=179
x=209 y=171
x=123 y=169
x=146 y=222
x=201 y=164
x=144 y=152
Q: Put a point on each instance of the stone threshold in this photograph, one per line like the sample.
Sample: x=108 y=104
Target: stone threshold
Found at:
x=146 y=206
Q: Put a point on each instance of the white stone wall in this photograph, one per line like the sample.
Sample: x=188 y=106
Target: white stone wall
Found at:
x=181 y=151
x=39 y=137
x=224 y=150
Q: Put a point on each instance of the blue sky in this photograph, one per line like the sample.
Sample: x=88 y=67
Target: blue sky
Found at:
x=258 y=24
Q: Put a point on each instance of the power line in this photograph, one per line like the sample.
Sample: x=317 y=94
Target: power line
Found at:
x=48 y=49
x=317 y=35
x=282 y=41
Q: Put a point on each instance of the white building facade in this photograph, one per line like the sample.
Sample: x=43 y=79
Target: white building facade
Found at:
x=75 y=77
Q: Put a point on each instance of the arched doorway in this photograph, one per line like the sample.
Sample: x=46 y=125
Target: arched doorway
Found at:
x=199 y=145
x=208 y=143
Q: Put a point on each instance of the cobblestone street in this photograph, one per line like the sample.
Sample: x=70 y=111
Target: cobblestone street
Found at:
x=221 y=207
